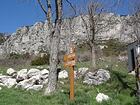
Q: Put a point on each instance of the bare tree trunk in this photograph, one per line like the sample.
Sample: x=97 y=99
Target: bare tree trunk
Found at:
x=93 y=57
x=54 y=50
x=52 y=84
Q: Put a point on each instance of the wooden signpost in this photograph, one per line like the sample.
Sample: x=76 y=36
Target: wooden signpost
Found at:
x=69 y=61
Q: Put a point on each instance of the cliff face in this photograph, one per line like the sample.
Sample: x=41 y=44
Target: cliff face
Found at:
x=36 y=38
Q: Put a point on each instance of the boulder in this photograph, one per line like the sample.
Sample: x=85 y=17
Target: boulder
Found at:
x=35 y=87
x=33 y=72
x=101 y=97
x=44 y=72
x=1 y=84
x=10 y=72
x=45 y=81
x=26 y=83
x=3 y=78
x=10 y=82
x=81 y=72
x=63 y=74
x=96 y=78
x=21 y=75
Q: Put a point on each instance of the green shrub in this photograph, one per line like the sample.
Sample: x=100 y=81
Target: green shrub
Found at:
x=40 y=60
x=18 y=56
x=2 y=39
x=114 y=47
x=14 y=56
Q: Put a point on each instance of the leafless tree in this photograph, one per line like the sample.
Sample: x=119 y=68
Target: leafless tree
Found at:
x=95 y=24
x=55 y=37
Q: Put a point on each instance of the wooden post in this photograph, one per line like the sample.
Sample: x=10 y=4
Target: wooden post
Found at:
x=72 y=83
x=69 y=61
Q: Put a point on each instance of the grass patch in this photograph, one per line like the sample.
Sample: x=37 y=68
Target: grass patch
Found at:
x=120 y=88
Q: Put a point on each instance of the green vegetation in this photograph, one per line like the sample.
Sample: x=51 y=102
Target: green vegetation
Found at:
x=18 y=56
x=2 y=39
x=40 y=60
x=120 y=88
x=114 y=47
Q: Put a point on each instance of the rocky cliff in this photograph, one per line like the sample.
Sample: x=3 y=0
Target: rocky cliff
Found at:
x=36 y=38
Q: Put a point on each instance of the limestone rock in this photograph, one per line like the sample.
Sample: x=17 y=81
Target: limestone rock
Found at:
x=26 y=83
x=35 y=38
x=132 y=73
x=101 y=97
x=63 y=74
x=81 y=72
x=10 y=82
x=35 y=87
x=44 y=72
x=10 y=71
x=1 y=84
x=33 y=72
x=96 y=78
x=22 y=74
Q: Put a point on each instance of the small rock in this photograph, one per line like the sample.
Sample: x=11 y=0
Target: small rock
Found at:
x=1 y=84
x=101 y=97
x=35 y=87
x=26 y=83
x=22 y=74
x=39 y=67
x=62 y=91
x=45 y=81
x=33 y=72
x=62 y=82
x=10 y=82
x=81 y=72
x=63 y=74
x=0 y=88
x=132 y=73
x=10 y=71
x=44 y=72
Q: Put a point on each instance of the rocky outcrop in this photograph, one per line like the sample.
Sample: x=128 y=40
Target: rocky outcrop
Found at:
x=33 y=39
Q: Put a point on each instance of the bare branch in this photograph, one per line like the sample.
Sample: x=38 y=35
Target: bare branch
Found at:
x=71 y=6
x=42 y=7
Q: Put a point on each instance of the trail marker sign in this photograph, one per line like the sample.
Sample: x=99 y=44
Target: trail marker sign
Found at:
x=69 y=61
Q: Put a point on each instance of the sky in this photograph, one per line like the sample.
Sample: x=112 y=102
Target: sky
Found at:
x=18 y=13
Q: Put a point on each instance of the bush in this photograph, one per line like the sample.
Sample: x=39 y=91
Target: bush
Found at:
x=18 y=56
x=114 y=47
x=40 y=60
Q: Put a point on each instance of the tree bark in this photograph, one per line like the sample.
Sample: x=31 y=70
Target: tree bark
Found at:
x=93 y=57
x=52 y=84
x=54 y=50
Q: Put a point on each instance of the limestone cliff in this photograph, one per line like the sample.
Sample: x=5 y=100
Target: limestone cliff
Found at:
x=36 y=38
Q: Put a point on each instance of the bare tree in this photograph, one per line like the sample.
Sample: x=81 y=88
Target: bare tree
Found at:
x=55 y=37
x=95 y=24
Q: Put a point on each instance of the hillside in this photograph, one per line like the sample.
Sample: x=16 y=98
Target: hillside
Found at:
x=33 y=39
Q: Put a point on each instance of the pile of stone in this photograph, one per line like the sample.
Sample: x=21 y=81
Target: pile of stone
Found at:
x=97 y=77
x=33 y=79
x=36 y=79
